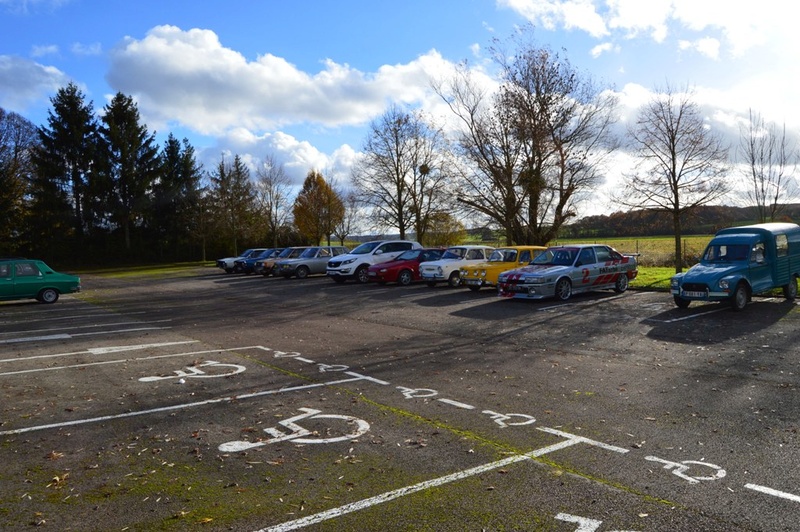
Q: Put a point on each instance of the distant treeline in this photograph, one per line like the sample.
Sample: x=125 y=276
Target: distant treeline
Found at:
x=701 y=221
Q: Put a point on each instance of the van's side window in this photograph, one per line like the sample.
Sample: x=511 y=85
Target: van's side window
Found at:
x=757 y=253
x=782 y=243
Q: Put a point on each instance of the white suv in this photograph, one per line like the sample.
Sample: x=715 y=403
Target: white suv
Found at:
x=354 y=265
x=447 y=268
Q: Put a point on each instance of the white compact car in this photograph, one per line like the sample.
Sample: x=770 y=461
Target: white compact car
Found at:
x=447 y=268
x=354 y=265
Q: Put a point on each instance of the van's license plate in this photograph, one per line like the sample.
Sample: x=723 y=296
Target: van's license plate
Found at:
x=691 y=293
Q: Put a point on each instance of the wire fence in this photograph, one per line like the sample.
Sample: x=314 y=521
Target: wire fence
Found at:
x=657 y=251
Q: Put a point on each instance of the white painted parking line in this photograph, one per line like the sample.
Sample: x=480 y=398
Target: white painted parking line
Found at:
x=78 y=335
x=95 y=325
x=105 y=350
x=104 y=363
x=228 y=399
x=690 y=317
x=459 y=475
x=773 y=492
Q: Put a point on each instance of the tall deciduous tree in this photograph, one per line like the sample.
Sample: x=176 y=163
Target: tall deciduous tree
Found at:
x=403 y=171
x=64 y=158
x=770 y=158
x=272 y=190
x=17 y=139
x=353 y=215
x=317 y=210
x=234 y=200
x=682 y=162
x=534 y=146
x=130 y=164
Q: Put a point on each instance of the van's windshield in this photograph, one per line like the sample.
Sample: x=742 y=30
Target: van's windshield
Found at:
x=727 y=253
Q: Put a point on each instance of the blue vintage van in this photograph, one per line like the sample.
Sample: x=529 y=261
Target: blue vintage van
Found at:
x=740 y=262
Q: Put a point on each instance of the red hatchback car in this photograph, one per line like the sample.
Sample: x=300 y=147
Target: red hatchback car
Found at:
x=404 y=269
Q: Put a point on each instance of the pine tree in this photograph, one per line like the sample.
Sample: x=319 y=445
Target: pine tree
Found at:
x=63 y=158
x=173 y=215
x=131 y=164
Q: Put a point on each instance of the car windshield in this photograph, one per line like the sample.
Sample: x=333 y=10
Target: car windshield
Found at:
x=726 y=252
x=265 y=254
x=285 y=253
x=454 y=253
x=310 y=253
x=503 y=255
x=408 y=255
x=556 y=256
x=365 y=248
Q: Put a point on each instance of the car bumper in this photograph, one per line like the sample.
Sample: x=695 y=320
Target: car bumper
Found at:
x=526 y=291
x=473 y=281
x=426 y=276
x=340 y=272
x=697 y=295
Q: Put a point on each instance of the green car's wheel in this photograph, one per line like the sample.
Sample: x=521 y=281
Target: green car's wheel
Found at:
x=48 y=295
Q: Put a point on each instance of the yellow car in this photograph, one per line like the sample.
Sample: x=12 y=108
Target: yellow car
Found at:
x=477 y=276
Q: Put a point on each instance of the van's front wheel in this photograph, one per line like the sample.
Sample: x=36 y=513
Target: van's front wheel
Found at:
x=790 y=290
x=740 y=297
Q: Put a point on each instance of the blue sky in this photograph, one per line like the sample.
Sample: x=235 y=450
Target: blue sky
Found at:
x=301 y=80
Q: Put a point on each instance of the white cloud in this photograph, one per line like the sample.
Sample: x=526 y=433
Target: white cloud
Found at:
x=600 y=49
x=571 y=14
x=24 y=82
x=297 y=157
x=87 y=49
x=190 y=78
x=43 y=50
x=706 y=47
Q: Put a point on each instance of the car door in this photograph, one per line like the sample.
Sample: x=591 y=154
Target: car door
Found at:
x=760 y=268
x=6 y=280
x=320 y=262
x=586 y=269
x=389 y=250
x=28 y=279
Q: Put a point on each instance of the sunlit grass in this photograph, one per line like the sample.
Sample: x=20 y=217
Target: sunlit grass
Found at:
x=182 y=269
x=653 y=278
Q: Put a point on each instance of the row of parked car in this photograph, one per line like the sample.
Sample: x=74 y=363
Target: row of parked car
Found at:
x=529 y=272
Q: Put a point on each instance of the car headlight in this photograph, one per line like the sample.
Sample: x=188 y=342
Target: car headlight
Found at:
x=674 y=283
x=439 y=270
x=723 y=283
x=483 y=273
x=383 y=270
x=348 y=261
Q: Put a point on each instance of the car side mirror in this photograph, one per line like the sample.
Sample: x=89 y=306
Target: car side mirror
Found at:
x=379 y=252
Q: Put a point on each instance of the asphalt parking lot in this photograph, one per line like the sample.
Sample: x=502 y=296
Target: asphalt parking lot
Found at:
x=224 y=402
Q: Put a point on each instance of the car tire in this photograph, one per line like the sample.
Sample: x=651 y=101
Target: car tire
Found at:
x=563 y=289
x=680 y=302
x=47 y=295
x=740 y=297
x=790 y=290
x=228 y=270
x=361 y=274
x=301 y=272
x=405 y=277
x=454 y=280
x=622 y=284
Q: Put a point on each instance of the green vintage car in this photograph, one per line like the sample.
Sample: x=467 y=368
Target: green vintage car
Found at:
x=33 y=279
